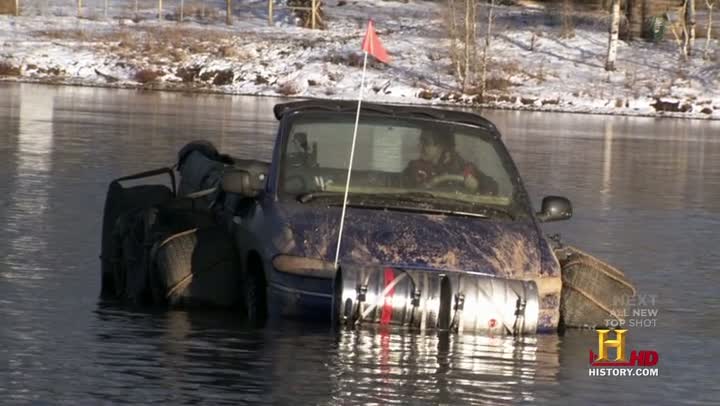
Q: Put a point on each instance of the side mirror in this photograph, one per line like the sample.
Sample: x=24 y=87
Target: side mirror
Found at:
x=555 y=208
x=243 y=182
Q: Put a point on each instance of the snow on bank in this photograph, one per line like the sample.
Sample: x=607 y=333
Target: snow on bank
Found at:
x=531 y=68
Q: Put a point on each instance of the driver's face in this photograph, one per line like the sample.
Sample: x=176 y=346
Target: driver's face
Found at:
x=429 y=151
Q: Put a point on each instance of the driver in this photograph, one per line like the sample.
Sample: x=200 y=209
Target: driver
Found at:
x=438 y=157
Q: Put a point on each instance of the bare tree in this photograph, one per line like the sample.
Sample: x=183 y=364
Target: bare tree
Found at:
x=470 y=36
x=488 y=35
x=228 y=13
x=463 y=48
x=568 y=28
x=679 y=30
x=690 y=24
x=613 y=40
x=710 y=5
x=454 y=52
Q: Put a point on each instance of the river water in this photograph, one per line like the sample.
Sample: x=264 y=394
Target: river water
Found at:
x=646 y=194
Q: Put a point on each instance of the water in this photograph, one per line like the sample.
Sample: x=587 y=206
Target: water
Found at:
x=646 y=195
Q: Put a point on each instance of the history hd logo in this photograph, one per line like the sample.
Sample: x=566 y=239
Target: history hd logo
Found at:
x=640 y=362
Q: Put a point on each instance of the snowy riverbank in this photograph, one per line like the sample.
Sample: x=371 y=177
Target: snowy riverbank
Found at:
x=532 y=67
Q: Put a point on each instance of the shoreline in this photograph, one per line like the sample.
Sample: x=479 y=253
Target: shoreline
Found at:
x=532 y=66
x=169 y=87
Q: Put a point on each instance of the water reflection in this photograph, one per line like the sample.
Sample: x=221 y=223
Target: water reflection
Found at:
x=620 y=162
x=383 y=366
x=29 y=191
x=170 y=356
x=607 y=165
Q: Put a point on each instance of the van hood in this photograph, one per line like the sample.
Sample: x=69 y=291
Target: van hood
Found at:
x=411 y=240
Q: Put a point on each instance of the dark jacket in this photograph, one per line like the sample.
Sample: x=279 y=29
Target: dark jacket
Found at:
x=420 y=171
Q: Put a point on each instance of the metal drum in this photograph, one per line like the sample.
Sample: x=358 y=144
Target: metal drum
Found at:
x=390 y=296
x=486 y=304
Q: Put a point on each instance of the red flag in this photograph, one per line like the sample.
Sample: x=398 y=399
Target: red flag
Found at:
x=372 y=45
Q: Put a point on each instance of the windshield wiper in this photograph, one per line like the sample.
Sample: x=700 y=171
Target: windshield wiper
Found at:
x=306 y=197
x=406 y=197
x=424 y=196
x=417 y=210
x=498 y=211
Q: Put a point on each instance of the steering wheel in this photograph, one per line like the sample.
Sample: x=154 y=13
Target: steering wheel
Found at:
x=446 y=179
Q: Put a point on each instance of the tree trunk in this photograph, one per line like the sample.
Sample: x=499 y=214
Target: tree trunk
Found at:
x=454 y=53
x=684 y=27
x=228 y=13
x=613 y=40
x=466 y=60
x=568 y=28
x=462 y=28
x=483 y=79
x=690 y=22
x=473 y=42
x=710 y=5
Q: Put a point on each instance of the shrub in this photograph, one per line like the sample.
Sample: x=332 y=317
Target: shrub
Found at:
x=7 y=69
x=147 y=75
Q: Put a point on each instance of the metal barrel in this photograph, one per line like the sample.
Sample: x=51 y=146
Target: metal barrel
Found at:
x=486 y=304
x=390 y=296
x=459 y=302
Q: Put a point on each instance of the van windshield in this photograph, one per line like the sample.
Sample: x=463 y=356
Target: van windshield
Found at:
x=439 y=164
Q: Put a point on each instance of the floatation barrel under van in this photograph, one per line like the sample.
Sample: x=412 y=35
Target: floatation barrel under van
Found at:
x=483 y=303
x=388 y=296
x=422 y=299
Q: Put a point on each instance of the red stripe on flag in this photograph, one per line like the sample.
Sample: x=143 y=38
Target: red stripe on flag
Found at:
x=386 y=315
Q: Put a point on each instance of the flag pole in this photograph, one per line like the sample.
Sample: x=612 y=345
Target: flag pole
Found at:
x=352 y=155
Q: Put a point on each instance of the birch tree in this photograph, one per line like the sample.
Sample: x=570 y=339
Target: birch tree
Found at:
x=710 y=5
x=488 y=36
x=690 y=24
x=613 y=40
x=679 y=30
x=470 y=35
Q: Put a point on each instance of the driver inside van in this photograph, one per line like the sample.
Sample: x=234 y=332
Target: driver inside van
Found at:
x=440 y=163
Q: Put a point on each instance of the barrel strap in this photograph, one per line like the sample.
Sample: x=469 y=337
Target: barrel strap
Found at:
x=519 y=325
x=459 y=305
